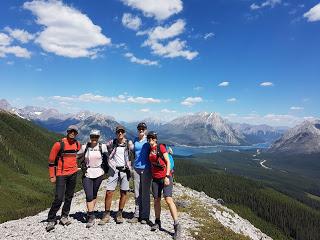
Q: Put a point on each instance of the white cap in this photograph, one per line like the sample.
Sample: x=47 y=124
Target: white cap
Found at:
x=95 y=132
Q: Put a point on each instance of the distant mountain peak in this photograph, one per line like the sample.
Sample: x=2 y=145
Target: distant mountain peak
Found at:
x=5 y=105
x=303 y=138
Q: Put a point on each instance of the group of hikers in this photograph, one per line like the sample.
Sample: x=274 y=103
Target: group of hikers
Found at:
x=144 y=158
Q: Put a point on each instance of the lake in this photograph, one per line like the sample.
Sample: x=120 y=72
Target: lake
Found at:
x=187 y=151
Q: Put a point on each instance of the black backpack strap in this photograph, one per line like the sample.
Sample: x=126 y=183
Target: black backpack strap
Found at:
x=61 y=154
x=86 y=150
x=100 y=149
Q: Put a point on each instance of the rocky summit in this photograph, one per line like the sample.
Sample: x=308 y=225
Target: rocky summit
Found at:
x=33 y=227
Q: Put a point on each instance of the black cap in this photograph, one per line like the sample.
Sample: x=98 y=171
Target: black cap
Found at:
x=142 y=125
x=152 y=134
x=120 y=127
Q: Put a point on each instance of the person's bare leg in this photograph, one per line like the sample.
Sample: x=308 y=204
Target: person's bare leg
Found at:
x=108 y=200
x=123 y=199
x=172 y=207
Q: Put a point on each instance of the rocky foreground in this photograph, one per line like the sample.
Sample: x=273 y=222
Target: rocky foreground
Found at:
x=33 y=227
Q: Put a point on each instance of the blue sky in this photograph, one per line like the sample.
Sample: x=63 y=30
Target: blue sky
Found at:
x=254 y=61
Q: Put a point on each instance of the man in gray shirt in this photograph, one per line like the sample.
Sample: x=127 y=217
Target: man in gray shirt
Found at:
x=120 y=167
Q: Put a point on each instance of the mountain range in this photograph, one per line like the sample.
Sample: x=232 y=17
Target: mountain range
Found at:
x=199 y=129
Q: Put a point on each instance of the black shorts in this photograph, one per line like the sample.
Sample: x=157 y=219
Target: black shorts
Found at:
x=158 y=186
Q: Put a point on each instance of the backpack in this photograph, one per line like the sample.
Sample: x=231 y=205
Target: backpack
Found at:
x=62 y=152
x=104 y=164
x=160 y=154
x=115 y=144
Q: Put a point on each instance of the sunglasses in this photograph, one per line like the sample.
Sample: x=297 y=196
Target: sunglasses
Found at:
x=141 y=129
x=73 y=131
x=94 y=136
x=120 y=131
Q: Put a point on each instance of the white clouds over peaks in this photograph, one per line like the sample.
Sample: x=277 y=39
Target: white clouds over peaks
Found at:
x=190 y=101
x=266 y=84
x=267 y=3
x=159 y=9
x=313 y=14
x=141 y=61
x=296 y=108
x=89 y=97
x=20 y=34
x=224 y=84
x=67 y=31
x=130 y=21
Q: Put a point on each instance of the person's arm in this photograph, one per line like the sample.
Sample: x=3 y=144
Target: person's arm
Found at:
x=52 y=158
x=131 y=145
x=80 y=152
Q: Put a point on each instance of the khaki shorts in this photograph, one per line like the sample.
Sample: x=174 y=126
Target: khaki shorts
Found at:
x=115 y=177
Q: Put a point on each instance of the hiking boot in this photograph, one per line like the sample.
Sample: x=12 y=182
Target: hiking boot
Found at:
x=91 y=221
x=50 y=226
x=119 y=218
x=177 y=232
x=105 y=219
x=133 y=220
x=156 y=225
x=144 y=221
x=64 y=221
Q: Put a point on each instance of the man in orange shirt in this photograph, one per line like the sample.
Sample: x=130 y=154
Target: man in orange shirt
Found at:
x=63 y=173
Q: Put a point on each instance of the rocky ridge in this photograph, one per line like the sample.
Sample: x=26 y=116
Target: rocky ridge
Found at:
x=33 y=227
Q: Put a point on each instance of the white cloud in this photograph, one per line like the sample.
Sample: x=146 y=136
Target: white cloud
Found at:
x=160 y=33
x=20 y=34
x=160 y=10
x=208 y=35
x=130 y=21
x=266 y=84
x=141 y=61
x=143 y=100
x=15 y=50
x=67 y=32
x=296 y=108
x=10 y=62
x=174 y=48
x=198 y=88
x=313 y=14
x=269 y=119
x=267 y=3
x=5 y=40
x=231 y=100
x=224 y=84
x=190 y=101
x=165 y=110
x=89 y=97
x=145 y=110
